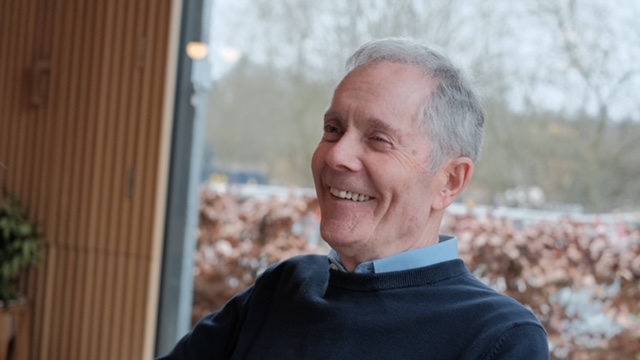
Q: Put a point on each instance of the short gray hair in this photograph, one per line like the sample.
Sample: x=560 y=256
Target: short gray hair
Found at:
x=453 y=117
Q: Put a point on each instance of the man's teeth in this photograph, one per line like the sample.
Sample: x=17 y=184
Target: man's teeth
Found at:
x=349 y=195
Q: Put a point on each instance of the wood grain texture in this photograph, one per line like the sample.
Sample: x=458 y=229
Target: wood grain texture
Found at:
x=89 y=162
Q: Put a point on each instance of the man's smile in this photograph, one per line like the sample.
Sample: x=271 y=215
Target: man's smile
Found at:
x=348 y=195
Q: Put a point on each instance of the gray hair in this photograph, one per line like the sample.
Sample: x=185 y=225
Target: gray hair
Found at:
x=453 y=117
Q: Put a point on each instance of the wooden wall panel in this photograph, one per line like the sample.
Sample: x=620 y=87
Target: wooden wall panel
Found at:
x=90 y=164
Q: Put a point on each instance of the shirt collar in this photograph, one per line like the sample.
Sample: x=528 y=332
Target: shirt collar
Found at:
x=446 y=249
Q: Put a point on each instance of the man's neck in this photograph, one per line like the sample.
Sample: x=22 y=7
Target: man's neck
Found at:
x=423 y=256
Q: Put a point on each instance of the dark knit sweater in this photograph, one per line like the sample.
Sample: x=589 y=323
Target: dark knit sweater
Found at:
x=300 y=309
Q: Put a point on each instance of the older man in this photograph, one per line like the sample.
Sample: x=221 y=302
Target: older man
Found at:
x=400 y=140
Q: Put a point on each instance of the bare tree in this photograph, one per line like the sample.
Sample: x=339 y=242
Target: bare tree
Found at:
x=598 y=72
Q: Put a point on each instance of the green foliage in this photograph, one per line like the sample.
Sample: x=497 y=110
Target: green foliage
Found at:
x=20 y=244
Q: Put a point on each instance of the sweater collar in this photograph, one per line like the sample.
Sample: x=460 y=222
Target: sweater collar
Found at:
x=446 y=249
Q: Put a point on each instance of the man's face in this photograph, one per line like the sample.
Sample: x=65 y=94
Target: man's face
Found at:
x=370 y=168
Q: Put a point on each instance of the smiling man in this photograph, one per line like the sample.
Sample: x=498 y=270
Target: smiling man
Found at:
x=377 y=193
x=401 y=136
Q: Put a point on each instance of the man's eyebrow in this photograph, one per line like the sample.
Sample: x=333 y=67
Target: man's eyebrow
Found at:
x=372 y=121
x=330 y=114
x=382 y=125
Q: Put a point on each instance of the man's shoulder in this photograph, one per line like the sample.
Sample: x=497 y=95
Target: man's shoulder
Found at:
x=483 y=317
x=491 y=305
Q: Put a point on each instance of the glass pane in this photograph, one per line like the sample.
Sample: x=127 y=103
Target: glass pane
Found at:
x=559 y=167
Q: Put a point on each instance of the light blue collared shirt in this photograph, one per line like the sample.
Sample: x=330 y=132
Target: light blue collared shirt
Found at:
x=446 y=249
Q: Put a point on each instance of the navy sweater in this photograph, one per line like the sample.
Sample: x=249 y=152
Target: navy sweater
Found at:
x=300 y=309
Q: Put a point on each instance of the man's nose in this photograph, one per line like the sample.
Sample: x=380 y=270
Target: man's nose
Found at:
x=345 y=154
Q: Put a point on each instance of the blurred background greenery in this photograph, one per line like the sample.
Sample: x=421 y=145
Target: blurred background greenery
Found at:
x=559 y=80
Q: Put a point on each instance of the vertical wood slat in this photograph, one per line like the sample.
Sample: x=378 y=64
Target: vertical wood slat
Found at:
x=118 y=322
x=142 y=156
x=69 y=300
x=92 y=178
x=63 y=59
x=12 y=65
x=38 y=306
x=5 y=8
x=141 y=274
x=20 y=93
x=121 y=212
x=127 y=349
x=73 y=192
x=42 y=37
x=73 y=155
x=117 y=128
x=43 y=303
x=98 y=344
x=75 y=333
x=48 y=292
x=98 y=213
x=9 y=62
x=31 y=283
x=96 y=216
x=86 y=115
x=69 y=187
x=126 y=127
x=46 y=36
x=28 y=127
x=158 y=56
x=43 y=40
x=5 y=50
x=131 y=72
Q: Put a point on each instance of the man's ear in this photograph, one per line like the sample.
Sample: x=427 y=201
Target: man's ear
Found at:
x=456 y=176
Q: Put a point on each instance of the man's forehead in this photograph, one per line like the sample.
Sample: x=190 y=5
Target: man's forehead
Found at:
x=387 y=80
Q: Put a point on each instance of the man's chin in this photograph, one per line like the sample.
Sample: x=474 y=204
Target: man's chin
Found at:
x=340 y=238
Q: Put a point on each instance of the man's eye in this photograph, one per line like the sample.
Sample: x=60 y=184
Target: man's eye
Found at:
x=332 y=133
x=381 y=139
x=331 y=129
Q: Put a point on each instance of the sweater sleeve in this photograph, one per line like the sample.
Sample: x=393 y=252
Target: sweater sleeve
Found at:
x=522 y=341
x=215 y=335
